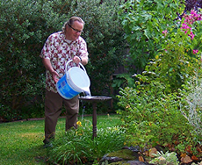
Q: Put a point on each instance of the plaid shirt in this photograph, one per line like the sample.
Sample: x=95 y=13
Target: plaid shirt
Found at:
x=60 y=50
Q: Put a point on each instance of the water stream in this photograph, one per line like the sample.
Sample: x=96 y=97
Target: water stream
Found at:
x=83 y=112
x=86 y=93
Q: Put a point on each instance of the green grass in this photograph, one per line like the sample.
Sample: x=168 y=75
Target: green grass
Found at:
x=21 y=143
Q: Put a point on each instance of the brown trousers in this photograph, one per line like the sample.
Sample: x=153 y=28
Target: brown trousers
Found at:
x=53 y=105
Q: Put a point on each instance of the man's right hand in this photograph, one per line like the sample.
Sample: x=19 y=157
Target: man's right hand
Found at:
x=55 y=76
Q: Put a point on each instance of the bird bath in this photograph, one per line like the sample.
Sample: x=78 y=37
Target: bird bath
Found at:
x=94 y=100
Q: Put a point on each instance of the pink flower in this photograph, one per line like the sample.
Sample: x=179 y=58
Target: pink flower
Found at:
x=184 y=26
x=191 y=35
x=165 y=32
x=195 y=51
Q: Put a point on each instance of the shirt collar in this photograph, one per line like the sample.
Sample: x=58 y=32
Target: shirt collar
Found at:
x=66 y=40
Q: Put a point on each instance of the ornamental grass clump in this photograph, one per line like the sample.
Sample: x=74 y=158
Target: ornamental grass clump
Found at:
x=77 y=146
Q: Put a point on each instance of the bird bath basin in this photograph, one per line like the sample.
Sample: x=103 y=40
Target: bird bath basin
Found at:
x=94 y=100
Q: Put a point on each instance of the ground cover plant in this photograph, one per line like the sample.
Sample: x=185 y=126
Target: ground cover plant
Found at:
x=21 y=142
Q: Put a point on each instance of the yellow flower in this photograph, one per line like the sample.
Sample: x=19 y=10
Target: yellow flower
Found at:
x=78 y=123
x=157 y=57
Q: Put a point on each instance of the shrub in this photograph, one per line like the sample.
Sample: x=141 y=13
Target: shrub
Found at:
x=152 y=117
x=21 y=30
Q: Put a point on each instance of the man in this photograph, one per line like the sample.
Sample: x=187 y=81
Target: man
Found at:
x=59 y=48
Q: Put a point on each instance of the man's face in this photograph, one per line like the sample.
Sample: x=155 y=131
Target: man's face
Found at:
x=74 y=31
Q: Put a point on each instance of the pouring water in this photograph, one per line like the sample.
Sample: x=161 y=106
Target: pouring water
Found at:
x=83 y=111
x=87 y=92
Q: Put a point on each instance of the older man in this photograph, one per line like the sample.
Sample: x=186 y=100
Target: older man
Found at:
x=59 y=48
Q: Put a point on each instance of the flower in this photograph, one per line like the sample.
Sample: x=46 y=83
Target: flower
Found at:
x=191 y=35
x=195 y=51
x=165 y=32
x=78 y=123
x=189 y=20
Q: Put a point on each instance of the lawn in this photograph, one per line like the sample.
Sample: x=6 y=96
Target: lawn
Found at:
x=21 y=142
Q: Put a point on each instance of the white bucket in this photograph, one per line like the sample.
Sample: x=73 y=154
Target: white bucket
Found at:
x=74 y=81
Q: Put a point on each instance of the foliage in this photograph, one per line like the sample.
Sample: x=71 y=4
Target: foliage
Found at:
x=26 y=24
x=21 y=69
x=77 y=146
x=152 y=108
x=180 y=46
x=143 y=22
x=152 y=117
x=166 y=159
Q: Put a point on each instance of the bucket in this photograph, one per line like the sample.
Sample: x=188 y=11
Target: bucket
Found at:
x=74 y=81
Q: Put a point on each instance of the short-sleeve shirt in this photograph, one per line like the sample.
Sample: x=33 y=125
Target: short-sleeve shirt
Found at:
x=60 y=50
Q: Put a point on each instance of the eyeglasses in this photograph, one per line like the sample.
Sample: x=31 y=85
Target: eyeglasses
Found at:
x=79 y=31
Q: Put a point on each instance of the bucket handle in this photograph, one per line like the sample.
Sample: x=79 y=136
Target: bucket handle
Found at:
x=79 y=64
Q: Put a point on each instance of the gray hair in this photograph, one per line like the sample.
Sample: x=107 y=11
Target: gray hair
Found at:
x=71 y=21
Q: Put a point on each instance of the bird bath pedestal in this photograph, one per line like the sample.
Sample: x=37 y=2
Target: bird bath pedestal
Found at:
x=94 y=100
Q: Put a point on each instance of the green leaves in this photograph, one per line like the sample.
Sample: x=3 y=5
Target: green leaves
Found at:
x=143 y=23
x=79 y=147
x=149 y=115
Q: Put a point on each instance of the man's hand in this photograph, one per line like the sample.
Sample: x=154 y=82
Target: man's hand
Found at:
x=55 y=76
x=77 y=59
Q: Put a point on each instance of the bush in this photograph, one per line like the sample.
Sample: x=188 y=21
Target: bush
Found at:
x=22 y=37
x=151 y=117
